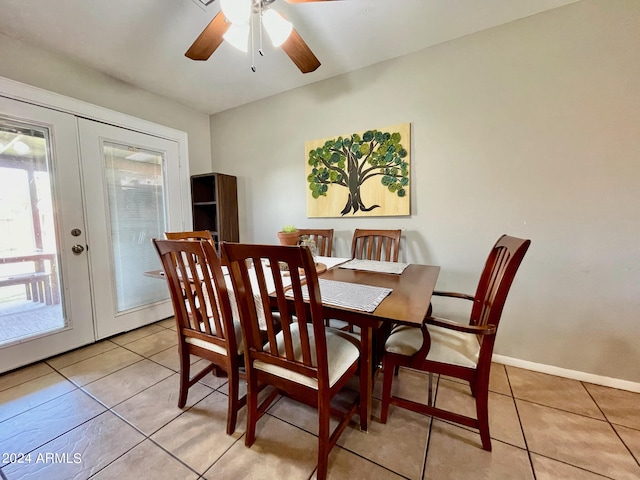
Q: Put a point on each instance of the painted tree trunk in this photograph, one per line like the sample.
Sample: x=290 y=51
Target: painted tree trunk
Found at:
x=354 y=201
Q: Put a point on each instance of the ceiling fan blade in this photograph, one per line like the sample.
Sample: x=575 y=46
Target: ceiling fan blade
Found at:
x=209 y=39
x=300 y=53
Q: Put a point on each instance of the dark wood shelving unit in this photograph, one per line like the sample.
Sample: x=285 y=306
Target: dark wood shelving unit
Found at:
x=214 y=203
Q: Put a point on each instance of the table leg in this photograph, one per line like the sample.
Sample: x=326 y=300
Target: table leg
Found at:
x=219 y=372
x=366 y=377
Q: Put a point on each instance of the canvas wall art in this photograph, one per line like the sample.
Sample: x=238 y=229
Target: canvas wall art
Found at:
x=360 y=174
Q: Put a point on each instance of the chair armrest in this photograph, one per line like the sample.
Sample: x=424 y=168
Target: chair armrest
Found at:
x=426 y=343
x=463 y=296
x=444 y=323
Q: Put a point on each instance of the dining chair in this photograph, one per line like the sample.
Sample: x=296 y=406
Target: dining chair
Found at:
x=303 y=360
x=454 y=349
x=366 y=244
x=322 y=237
x=204 y=319
x=376 y=245
x=193 y=235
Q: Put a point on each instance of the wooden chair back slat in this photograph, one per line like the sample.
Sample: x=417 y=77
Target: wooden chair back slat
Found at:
x=191 y=235
x=370 y=244
x=496 y=279
x=322 y=237
x=293 y=313
x=198 y=290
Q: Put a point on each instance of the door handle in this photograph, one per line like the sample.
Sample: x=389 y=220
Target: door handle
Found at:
x=77 y=249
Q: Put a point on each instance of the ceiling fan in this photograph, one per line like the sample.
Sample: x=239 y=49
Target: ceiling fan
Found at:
x=234 y=24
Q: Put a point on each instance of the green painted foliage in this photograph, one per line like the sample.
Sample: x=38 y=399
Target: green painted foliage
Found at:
x=350 y=161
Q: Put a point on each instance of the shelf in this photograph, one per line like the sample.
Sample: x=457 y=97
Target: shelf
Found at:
x=215 y=205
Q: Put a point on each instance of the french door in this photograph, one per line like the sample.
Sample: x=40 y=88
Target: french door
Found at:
x=80 y=202
x=127 y=178
x=45 y=297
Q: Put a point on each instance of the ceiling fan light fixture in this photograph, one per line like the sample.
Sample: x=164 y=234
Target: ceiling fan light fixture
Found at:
x=277 y=27
x=236 y=11
x=238 y=36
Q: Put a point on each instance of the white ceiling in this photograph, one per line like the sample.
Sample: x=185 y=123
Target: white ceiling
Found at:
x=142 y=42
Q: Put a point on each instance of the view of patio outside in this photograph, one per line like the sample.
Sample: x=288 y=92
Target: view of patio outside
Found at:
x=30 y=299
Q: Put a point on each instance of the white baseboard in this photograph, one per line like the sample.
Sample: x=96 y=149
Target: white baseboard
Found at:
x=564 y=372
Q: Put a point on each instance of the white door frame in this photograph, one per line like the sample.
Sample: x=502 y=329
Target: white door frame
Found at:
x=44 y=98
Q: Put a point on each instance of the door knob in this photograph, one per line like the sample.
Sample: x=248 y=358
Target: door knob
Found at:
x=77 y=249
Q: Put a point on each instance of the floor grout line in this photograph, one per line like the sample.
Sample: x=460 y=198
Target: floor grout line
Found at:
x=26 y=381
x=63 y=433
x=574 y=466
x=604 y=420
x=47 y=360
x=219 y=388
x=336 y=445
x=104 y=376
x=148 y=436
x=524 y=436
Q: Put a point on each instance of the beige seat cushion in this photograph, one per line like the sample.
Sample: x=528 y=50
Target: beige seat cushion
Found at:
x=341 y=354
x=447 y=346
x=236 y=323
x=207 y=345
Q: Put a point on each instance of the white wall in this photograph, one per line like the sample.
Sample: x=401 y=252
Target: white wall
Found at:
x=62 y=75
x=531 y=128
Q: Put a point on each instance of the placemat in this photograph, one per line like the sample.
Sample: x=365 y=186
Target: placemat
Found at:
x=365 y=298
x=375 y=266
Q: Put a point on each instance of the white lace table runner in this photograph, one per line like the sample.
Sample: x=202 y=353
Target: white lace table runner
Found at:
x=375 y=266
x=355 y=296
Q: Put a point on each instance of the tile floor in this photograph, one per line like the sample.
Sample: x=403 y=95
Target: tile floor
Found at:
x=109 y=411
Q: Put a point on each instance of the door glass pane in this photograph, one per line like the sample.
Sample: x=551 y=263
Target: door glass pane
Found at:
x=30 y=298
x=135 y=186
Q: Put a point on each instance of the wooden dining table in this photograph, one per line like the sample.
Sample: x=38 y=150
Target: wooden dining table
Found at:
x=408 y=304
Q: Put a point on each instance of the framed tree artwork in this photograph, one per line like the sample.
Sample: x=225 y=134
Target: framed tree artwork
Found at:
x=360 y=174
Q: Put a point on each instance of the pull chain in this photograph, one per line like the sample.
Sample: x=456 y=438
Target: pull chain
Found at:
x=253 y=49
x=260 y=51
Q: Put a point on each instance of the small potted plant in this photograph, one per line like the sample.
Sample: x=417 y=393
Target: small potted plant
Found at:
x=289 y=235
